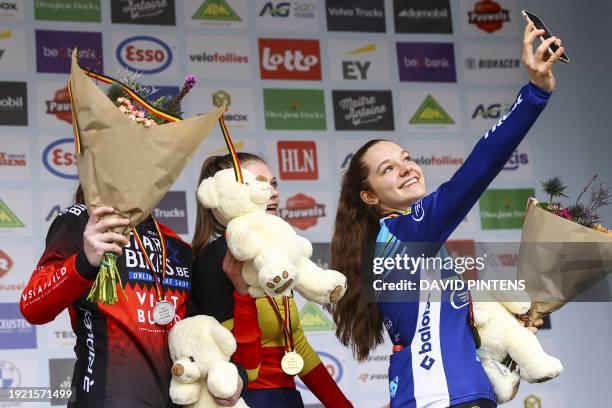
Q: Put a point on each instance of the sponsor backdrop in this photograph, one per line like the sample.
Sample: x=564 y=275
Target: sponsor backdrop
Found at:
x=307 y=82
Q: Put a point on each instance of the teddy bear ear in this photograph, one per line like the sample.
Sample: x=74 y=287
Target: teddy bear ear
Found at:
x=224 y=339
x=207 y=193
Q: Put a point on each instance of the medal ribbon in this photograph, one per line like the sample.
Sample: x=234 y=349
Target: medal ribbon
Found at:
x=285 y=321
x=158 y=285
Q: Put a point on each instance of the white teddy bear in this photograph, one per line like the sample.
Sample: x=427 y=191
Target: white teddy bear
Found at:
x=200 y=348
x=276 y=258
x=501 y=334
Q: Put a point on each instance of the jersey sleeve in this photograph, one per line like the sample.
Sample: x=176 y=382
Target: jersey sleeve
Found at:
x=439 y=213
x=63 y=273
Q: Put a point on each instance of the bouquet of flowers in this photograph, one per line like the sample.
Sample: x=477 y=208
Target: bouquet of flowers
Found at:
x=564 y=249
x=129 y=152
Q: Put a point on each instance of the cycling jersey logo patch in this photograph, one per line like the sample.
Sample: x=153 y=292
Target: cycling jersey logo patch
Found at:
x=393 y=386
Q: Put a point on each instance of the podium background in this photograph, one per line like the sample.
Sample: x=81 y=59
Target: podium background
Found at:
x=571 y=139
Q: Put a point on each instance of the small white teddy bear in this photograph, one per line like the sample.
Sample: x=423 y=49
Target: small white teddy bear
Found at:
x=501 y=334
x=200 y=348
x=276 y=258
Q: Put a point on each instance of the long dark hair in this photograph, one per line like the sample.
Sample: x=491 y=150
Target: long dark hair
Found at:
x=206 y=224
x=359 y=323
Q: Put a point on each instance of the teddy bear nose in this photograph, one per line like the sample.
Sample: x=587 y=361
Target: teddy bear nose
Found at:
x=261 y=178
x=177 y=370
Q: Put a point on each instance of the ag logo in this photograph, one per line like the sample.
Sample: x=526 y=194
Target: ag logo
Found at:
x=221 y=98
x=6 y=263
x=148 y=55
x=60 y=160
x=493 y=111
x=279 y=10
x=9 y=375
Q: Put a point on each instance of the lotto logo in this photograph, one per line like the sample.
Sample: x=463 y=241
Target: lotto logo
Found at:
x=289 y=59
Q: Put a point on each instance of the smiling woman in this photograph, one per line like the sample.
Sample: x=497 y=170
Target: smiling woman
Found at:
x=383 y=200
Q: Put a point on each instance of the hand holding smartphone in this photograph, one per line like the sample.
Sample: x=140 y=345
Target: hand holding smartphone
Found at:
x=539 y=24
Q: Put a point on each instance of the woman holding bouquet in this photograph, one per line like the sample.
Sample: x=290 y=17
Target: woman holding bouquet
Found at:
x=220 y=291
x=383 y=200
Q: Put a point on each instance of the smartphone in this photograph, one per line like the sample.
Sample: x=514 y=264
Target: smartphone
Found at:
x=539 y=24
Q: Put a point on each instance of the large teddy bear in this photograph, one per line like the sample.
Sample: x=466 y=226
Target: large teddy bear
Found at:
x=276 y=258
x=200 y=348
x=502 y=335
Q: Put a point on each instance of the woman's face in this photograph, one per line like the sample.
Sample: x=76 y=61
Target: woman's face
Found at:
x=396 y=181
x=261 y=169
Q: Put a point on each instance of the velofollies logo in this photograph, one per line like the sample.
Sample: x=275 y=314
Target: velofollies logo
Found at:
x=6 y=263
x=59 y=106
x=488 y=15
x=216 y=10
x=302 y=211
x=431 y=113
x=8 y=219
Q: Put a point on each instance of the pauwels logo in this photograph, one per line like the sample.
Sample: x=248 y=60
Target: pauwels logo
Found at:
x=59 y=106
x=488 y=16
x=289 y=59
x=302 y=211
x=6 y=263
x=297 y=160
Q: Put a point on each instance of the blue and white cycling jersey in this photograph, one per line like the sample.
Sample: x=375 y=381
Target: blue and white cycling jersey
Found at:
x=439 y=366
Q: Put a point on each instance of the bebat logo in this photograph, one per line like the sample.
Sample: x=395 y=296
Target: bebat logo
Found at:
x=145 y=54
x=60 y=160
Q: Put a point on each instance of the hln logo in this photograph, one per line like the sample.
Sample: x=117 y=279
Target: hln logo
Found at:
x=297 y=160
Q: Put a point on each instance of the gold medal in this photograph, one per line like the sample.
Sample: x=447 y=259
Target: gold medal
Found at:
x=292 y=363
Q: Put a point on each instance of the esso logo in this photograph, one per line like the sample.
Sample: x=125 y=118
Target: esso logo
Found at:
x=59 y=158
x=145 y=54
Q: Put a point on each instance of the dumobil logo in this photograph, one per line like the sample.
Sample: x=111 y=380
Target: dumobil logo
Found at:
x=297 y=160
x=145 y=54
x=488 y=16
x=289 y=59
x=59 y=106
x=216 y=10
x=302 y=211
x=60 y=160
x=6 y=263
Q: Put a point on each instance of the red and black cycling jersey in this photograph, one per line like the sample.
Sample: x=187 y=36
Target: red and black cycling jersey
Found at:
x=122 y=354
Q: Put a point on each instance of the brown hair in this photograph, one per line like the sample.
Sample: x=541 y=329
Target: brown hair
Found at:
x=359 y=323
x=206 y=224
x=79 y=198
